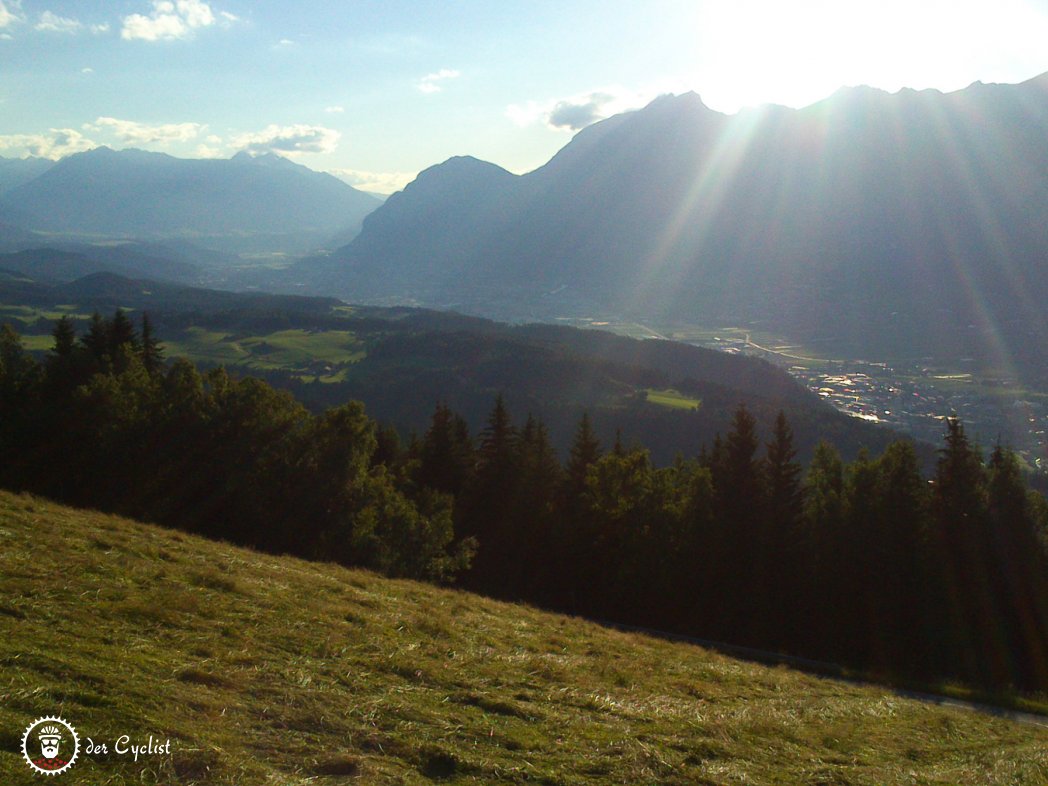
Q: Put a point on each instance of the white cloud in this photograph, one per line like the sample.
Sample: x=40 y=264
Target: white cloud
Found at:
x=87 y=70
x=130 y=132
x=60 y=142
x=334 y=110
x=377 y=182
x=170 y=20
x=53 y=23
x=578 y=111
x=430 y=83
x=289 y=139
x=204 y=151
x=10 y=12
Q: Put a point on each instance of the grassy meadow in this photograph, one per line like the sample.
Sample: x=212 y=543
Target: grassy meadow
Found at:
x=267 y=670
x=673 y=399
x=310 y=353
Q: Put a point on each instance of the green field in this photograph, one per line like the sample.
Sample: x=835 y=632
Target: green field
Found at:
x=266 y=670
x=308 y=353
x=27 y=315
x=672 y=399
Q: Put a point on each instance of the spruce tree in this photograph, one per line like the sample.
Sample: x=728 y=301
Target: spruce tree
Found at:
x=152 y=351
x=585 y=450
x=97 y=339
x=534 y=533
x=782 y=479
x=65 y=337
x=123 y=339
x=488 y=516
x=960 y=504
x=446 y=453
x=785 y=507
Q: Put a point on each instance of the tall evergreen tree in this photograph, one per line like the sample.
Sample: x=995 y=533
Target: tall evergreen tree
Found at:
x=1020 y=575
x=65 y=337
x=572 y=574
x=585 y=450
x=960 y=485
x=487 y=517
x=902 y=567
x=740 y=512
x=446 y=456
x=823 y=571
x=152 y=351
x=121 y=332
x=534 y=531
x=783 y=477
x=97 y=339
x=782 y=524
x=960 y=503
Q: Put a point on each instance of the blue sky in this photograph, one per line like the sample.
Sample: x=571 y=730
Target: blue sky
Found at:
x=378 y=90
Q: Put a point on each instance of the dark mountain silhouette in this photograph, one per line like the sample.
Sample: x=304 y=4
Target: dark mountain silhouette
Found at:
x=16 y=171
x=913 y=223
x=132 y=193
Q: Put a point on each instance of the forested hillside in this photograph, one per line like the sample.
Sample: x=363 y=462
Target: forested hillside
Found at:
x=400 y=362
x=946 y=579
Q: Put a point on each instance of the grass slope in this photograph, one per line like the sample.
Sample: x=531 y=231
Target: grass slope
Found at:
x=265 y=670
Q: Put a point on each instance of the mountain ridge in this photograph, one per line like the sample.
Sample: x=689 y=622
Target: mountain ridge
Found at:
x=919 y=210
x=142 y=194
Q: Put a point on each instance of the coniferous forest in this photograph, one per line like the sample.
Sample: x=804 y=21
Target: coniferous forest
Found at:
x=868 y=564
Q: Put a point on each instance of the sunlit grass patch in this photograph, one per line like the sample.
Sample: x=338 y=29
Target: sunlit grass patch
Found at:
x=672 y=398
x=274 y=670
x=309 y=354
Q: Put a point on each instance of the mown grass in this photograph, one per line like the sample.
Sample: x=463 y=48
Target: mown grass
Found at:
x=672 y=398
x=266 y=670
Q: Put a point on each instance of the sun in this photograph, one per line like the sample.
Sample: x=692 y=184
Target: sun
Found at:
x=751 y=52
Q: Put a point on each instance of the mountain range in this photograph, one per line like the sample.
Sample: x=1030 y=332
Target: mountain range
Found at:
x=900 y=225
x=246 y=203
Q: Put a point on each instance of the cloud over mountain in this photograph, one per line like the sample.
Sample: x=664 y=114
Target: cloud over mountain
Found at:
x=576 y=116
x=59 y=142
x=133 y=133
x=289 y=139
x=377 y=182
x=573 y=113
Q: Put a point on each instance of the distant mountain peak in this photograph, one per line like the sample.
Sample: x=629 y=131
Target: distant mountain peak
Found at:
x=104 y=151
x=682 y=102
x=462 y=167
x=266 y=158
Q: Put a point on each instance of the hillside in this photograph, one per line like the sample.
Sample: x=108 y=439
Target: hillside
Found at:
x=401 y=362
x=919 y=212
x=262 y=669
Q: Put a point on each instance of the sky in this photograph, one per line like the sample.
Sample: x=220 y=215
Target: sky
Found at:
x=377 y=90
